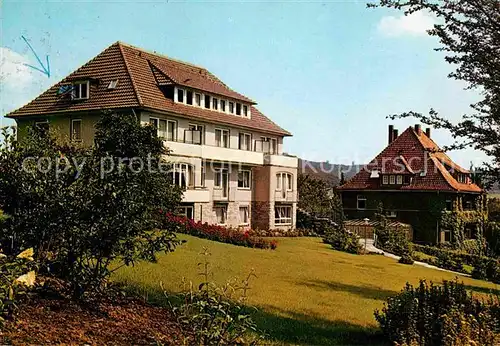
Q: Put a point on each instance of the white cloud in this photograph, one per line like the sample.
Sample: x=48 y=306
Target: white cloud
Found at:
x=13 y=73
x=415 y=24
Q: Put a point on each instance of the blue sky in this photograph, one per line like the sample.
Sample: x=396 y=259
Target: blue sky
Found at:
x=329 y=72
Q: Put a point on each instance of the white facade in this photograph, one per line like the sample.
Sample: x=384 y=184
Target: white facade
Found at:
x=214 y=162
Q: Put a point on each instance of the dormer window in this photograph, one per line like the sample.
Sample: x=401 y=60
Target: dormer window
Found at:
x=180 y=95
x=207 y=101
x=215 y=103
x=223 y=105
x=189 y=97
x=245 y=110
x=392 y=179
x=231 y=107
x=385 y=179
x=238 y=109
x=197 y=100
x=80 y=90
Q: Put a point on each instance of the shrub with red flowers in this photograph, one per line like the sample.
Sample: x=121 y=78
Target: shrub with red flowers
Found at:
x=181 y=224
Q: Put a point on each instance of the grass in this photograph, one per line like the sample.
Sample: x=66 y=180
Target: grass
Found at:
x=306 y=292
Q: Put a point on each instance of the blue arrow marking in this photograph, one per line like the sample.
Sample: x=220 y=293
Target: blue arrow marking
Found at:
x=44 y=70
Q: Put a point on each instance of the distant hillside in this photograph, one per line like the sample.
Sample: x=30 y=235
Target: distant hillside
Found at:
x=326 y=171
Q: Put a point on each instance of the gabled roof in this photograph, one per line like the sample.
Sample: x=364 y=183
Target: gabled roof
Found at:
x=413 y=152
x=138 y=88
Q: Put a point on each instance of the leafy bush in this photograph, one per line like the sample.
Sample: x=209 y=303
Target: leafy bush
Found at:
x=88 y=207
x=390 y=239
x=446 y=261
x=218 y=233
x=216 y=314
x=17 y=276
x=406 y=259
x=342 y=240
x=427 y=315
x=276 y=233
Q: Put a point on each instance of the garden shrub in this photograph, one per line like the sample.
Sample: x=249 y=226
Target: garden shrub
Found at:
x=406 y=259
x=216 y=314
x=390 y=239
x=427 y=315
x=87 y=207
x=17 y=276
x=342 y=240
x=181 y=224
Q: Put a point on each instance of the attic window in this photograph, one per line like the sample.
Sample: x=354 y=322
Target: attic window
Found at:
x=180 y=95
x=231 y=107
x=189 y=97
x=374 y=174
x=238 y=109
x=245 y=110
x=80 y=90
x=207 y=101
x=113 y=84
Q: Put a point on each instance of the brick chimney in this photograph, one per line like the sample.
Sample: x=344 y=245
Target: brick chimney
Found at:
x=391 y=133
x=395 y=134
x=418 y=129
x=428 y=132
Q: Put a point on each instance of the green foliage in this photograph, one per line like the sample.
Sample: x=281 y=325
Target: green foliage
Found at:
x=426 y=315
x=17 y=276
x=318 y=198
x=90 y=206
x=406 y=259
x=390 y=239
x=494 y=209
x=492 y=236
x=469 y=35
x=216 y=314
x=342 y=240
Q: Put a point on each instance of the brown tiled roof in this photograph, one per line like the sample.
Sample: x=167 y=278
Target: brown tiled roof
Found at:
x=413 y=152
x=137 y=87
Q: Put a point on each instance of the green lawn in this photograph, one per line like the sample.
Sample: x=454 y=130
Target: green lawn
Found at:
x=306 y=293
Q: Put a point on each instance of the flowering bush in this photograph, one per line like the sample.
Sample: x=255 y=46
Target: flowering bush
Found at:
x=248 y=238
x=299 y=232
x=16 y=278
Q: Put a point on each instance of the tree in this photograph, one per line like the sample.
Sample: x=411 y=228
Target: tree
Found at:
x=494 y=209
x=469 y=33
x=315 y=196
x=84 y=208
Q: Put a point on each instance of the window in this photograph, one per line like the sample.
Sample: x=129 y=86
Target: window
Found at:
x=197 y=100
x=268 y=145
x=447 y=235
x=283 y=215
x=76 y=130
x=186 y=211
x=203 y=175
x=189 y=97
x=284 y=181
x=215 y=103
x=468 y=205
x=194 y=134
x=80 y=90
x=180 y=95
x=245 y=110
x=245 y=141
x=391 y=214
x=182 y=175
x=399 y=180
x=222 y=138
x=231 y=107
x=385 y=179
x=223 y=105
x=113 y=84
x=449 y=205
x=238 y=109
x=42 y=126
x=244 y=179
x=361 y=202
x=244 y=215
x=221 y=179
x=166 y=129
x=221 y=214
x=392 y=179
x=207 y=101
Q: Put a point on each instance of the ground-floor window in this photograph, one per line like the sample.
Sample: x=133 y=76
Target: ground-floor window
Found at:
x=283 y=215
x=186 y=211
x=447 y=235
x=221 y=214
x=244 y=215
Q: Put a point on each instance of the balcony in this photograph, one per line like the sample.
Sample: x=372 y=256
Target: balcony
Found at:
x=281 y=160
x=200 y=195
x=222 y=195
x=284 y=196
